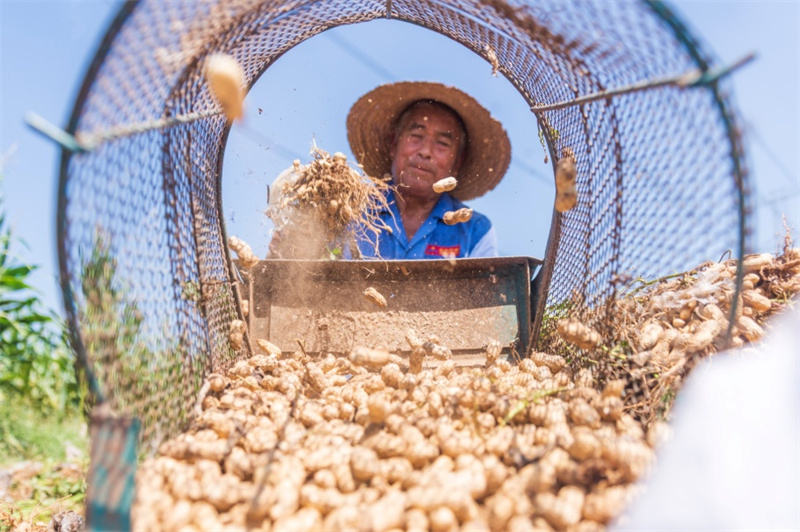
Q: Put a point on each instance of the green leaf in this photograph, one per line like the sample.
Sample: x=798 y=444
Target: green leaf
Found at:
x=35 y=363
x=12 y=283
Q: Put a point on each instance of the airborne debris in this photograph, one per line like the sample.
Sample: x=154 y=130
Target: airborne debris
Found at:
x=321 y=209
x=236 y=334
x=492 y=58
x=376 y=297
x=460 y=216
x=371 y=358
x=445 y=185
x=225 y=77
x=566 y=174
x=244 y=251
x=579 y=334
x=437 y=351
x=268 y=347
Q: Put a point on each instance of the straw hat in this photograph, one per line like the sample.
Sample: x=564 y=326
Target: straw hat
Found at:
x=372 y=119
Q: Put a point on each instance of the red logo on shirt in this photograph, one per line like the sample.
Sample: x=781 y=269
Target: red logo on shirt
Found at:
x=442 y=251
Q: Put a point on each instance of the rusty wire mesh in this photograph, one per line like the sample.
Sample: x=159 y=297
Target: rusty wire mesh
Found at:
x=148 y=289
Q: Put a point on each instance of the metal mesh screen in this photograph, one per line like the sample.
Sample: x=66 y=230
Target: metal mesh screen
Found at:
x=145 y=271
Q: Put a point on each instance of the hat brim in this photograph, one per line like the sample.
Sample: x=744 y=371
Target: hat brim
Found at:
x=372 y=119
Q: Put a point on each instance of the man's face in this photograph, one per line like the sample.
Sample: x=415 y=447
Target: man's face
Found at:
x=425 y=150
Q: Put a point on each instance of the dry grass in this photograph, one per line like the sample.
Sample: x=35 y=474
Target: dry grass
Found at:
x=323 y=208
x=655 y=334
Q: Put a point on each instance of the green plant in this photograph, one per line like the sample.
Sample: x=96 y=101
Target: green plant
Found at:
x=554 y=313
x=619 y=350
x=139 y=373
x=40 y=490
x=35 y=363
x=28 y=434
x=522 y=404
x=110 y=323
x=664 y=409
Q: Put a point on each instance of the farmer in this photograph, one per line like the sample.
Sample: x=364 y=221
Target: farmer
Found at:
x=420 y=133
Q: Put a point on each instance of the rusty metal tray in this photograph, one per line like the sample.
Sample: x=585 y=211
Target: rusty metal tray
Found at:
x=320 y=305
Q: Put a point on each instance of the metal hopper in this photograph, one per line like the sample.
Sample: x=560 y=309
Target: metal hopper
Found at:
x=465 y=303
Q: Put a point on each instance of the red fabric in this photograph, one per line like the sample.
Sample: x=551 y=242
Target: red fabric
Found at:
x=442 y=251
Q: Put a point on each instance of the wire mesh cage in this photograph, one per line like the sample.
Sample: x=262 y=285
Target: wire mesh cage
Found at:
x=148 y=287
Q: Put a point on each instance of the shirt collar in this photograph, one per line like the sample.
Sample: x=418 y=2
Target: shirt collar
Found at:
x=445 y=204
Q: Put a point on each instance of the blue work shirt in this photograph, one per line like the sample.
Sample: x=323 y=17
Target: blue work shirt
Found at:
x=434 y=239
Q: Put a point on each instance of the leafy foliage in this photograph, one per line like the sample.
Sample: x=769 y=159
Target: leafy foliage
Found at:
x=130 y=371
x=110 y=323
x=35 y=362
x=40 y=419
x=28 y=434
x=39 y=490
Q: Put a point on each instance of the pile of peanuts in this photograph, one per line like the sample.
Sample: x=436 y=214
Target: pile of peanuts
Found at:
x=373 y=441
x=376 y=441
x=690 y=315
x=659 y=332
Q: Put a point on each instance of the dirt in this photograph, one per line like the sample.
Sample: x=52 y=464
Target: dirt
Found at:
x=339 y=332
x=321 y=209
x=27 y=503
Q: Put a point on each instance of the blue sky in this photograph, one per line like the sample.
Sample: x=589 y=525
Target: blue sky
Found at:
x=45 y=47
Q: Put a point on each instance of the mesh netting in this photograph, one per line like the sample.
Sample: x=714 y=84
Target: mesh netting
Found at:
x=150 y=295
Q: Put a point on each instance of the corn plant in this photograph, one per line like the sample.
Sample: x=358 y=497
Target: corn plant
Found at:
x=35 y=363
